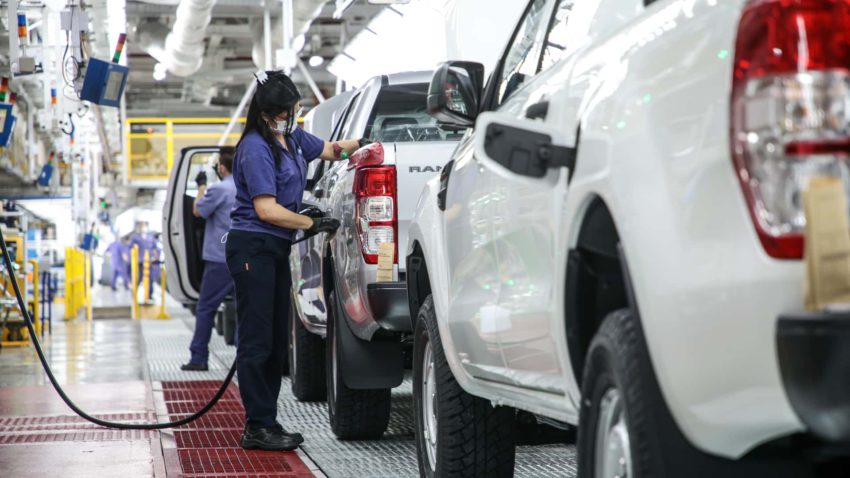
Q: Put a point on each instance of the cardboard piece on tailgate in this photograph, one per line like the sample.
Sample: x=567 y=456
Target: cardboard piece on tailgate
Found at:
x=386 y=254
x=827 y=243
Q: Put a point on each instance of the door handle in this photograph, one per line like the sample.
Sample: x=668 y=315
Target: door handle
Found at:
x=537 y=110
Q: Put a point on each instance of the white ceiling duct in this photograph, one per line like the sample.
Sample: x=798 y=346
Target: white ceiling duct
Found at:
x=183 y=50
x=184 y=46
x=304 y=12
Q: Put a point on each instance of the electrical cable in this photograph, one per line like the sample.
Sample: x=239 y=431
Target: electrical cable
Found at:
x=97 y=421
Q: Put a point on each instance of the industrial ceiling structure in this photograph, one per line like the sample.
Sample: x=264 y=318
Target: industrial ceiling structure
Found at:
x=211 y=76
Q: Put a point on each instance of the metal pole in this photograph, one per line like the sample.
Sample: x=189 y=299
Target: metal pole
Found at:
x=288 y=27
x=249 y=92
x=309 y=79
x=343 y=34
x=267 y=38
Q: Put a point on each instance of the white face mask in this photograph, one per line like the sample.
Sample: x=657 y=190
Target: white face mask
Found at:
x=275 y=125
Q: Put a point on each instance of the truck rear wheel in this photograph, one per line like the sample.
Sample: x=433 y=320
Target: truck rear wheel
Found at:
x=353 y=414
x=306 y=361
x=613 y=413
x=457 y=434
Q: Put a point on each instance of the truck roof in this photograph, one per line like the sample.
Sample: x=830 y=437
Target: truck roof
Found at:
x=408 y=77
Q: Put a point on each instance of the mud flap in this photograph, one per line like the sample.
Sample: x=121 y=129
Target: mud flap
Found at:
x=368 y=365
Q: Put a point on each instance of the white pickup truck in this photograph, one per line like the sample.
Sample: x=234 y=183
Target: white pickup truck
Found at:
x=617 y=242
x=336 y=291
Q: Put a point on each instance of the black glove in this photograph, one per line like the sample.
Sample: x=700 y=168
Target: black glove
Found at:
x=364 y=142
x=312 y=212
x=324 y=224
x=201 y=179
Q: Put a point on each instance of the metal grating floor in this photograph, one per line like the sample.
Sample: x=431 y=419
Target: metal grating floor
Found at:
x=392 y=456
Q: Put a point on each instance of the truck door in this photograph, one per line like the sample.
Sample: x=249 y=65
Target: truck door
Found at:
x=306 y=256
x=183 y=232
x=525 y=221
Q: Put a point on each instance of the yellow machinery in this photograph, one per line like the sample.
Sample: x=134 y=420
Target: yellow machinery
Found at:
x=152 y=143
x=13 y=332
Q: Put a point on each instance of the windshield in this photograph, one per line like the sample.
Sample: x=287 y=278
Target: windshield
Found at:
x=400 y=116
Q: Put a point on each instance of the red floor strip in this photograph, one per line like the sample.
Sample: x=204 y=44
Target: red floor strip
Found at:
x=209 y=447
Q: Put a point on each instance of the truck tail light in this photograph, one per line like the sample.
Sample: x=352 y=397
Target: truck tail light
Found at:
x=790 y=111
x=376 y=217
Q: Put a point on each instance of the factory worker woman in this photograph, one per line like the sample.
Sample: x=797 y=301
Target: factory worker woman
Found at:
x=270 y=173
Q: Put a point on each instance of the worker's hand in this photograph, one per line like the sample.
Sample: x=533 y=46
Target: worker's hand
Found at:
x=201 y=179
x=324 y=224
x=312 y=212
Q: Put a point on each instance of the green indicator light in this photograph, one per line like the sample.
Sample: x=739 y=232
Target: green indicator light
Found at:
x=723 y=54
x=487 y=287
x=511 y=282
x=621 y=125
x=647 y=98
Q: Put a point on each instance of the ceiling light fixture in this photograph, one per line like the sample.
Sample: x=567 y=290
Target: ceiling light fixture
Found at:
x=315 y=61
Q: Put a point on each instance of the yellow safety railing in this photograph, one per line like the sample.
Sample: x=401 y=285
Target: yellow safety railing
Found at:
x=163 y=314
x=36 y=296
x=134 y=279
x=76 y=284
x=146 y=277
x=153 y=143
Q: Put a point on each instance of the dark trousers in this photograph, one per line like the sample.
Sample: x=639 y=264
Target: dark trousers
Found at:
x=259 y=265
x=215 y=285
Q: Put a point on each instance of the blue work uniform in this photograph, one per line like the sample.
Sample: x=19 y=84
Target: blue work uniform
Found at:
x=119 y=258
x=258 y=259
x=216 y=283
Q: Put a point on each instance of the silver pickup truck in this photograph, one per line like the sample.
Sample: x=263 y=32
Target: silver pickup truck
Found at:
x=336 y=291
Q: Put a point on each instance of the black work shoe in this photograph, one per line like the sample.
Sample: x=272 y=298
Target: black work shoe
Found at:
x=194 y=367
x=270 y=438
x=294 y=435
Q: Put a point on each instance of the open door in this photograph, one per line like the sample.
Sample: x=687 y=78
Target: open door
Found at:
x=184 y=233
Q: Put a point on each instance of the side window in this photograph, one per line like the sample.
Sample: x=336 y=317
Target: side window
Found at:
x=555 y=45
x=344 y=119
x=349 y=117
x=201 y=161
x=523 y=56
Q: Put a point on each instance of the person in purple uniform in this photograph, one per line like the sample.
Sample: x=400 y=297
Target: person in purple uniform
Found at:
x=214 y=205
x=270 y=173
x=119 y=255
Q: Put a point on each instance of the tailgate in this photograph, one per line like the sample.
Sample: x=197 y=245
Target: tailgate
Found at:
x=416 y=163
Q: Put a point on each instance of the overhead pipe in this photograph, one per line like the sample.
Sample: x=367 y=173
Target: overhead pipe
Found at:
x=182 y=52
x=184 y=46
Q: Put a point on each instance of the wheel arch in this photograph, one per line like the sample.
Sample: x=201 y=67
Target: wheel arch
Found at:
x=597 y=280
x=418 y=280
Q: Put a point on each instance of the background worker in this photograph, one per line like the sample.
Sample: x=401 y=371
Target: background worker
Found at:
x=119 y=258
x=270 y=173
x=214 y=205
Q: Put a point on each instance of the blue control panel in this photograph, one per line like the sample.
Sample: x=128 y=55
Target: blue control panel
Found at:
x=7 y=124
x=104 y=83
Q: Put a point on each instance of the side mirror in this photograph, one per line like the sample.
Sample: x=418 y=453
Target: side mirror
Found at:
x=513 y=146
x=454 y=96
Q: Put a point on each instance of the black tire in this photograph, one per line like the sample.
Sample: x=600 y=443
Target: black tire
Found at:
x=615 y=361
x=229 y=323
x=353 y=414
x=219 y=322
x=474 y=438
x=306 y=362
